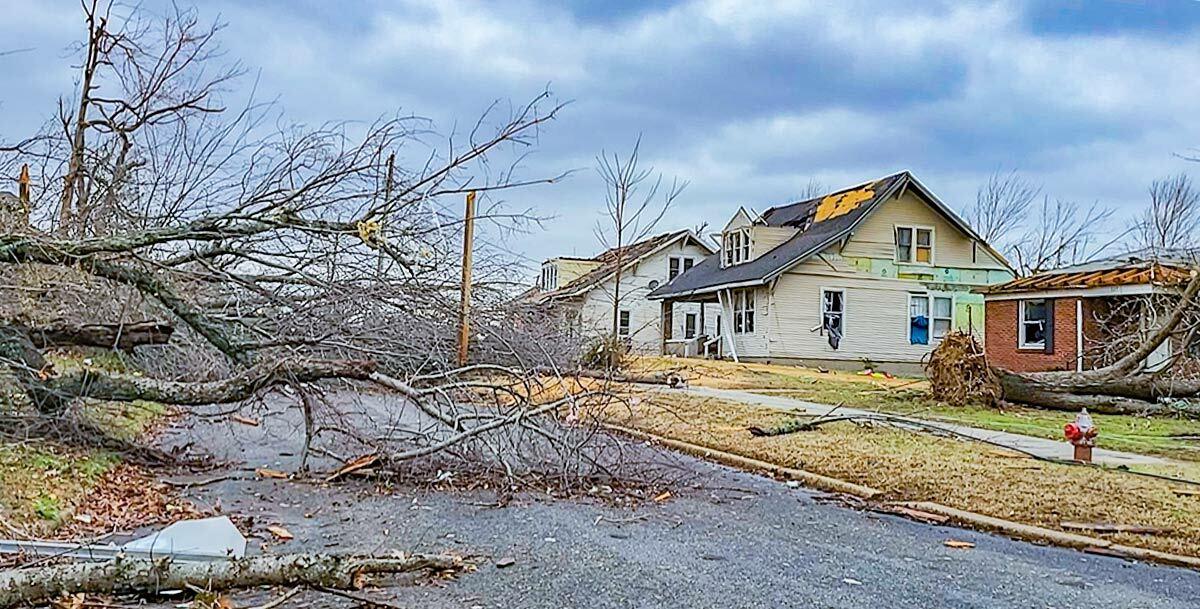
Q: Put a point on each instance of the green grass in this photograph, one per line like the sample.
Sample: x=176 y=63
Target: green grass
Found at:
x=40 y=481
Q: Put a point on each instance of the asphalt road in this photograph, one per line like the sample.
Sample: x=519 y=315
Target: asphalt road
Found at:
x=736 y=540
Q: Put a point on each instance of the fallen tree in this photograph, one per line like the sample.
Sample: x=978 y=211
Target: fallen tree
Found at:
x=42 y=585
x=1124 y=386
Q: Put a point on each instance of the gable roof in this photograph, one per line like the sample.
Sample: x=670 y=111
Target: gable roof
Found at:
x=821 y=222
x=629 y=255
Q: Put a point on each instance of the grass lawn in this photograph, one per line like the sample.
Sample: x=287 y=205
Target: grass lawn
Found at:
x=41 y=482
x=1164 y=436
x=916 y=467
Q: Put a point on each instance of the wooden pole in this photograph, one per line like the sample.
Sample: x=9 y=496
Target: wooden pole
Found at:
x=464 y=307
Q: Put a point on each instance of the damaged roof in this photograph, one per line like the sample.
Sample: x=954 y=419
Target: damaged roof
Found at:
x=1127 y=270
x=629 y=254
x=822 y=221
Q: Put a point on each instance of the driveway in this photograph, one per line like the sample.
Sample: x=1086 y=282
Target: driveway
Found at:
x=726 y=539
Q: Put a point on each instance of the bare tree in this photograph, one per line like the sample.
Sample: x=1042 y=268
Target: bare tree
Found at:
x=1062 y=233
x=1172 y=220
x=635 y=201
x=1002 y=206
x=270 y=257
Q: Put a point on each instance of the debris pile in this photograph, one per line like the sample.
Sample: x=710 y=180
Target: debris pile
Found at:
x=959 y=374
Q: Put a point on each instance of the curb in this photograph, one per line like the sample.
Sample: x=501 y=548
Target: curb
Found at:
x=1028 y=532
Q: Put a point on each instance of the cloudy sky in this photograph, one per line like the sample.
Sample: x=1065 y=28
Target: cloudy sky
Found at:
x=747 y=101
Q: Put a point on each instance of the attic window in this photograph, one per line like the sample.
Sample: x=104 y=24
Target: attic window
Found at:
x=914 y=245
x=736 y=246
x=678 y=265
x=549 y=276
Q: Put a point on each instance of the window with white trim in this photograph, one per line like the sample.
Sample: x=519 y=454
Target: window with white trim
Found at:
x=743 y=311
x=833 y=315
x=914 y=245
x=678 y=265
x=943 y=316
x=623 y=323
x=735 y=246
x=929 y=317
x=1033 y=324
x=689 y=325
x=549 y=276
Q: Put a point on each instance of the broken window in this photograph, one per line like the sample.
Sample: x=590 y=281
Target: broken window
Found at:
x=736 y=246
x=743 y=311
x=689 y=325
x=623 y=323
x=904 y=244
x=549 y=276
x=918 y=319
x=833 y=316
x=914 y=245
x=1033 y=324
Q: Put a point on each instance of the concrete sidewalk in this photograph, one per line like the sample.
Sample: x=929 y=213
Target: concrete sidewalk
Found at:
x=1041 y=447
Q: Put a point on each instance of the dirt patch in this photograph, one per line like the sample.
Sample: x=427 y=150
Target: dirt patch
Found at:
x=914 y=467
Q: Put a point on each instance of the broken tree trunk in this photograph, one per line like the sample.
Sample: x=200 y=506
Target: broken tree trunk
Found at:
x=148 y=577
x=106 y=336
x=1120 y=388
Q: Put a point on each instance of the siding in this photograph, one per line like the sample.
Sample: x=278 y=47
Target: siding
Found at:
x=765 y=238
x=645 y=316
x=875 y=237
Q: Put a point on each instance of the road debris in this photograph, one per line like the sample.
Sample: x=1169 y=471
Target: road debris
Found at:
x=206 y=539
x=264 y=472
x=280 y=532
x=958 y=545
x=1099 y=527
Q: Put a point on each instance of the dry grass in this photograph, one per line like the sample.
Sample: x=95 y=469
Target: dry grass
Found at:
x=720 y=374
x=1171 y=437
x=915 y=467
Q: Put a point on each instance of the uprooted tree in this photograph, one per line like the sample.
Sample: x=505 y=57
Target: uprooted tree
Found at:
x=238 y=256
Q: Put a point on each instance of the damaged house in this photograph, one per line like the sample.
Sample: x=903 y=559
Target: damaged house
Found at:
x=876 y=273
x=583 y=290
x=1087 y=316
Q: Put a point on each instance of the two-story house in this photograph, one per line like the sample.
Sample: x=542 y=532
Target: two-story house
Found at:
x=877 y=273
x=584 y=291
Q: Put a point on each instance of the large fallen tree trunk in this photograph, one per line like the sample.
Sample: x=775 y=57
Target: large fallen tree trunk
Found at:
x=106 y=336
x=1123 y=387
x=150 y=577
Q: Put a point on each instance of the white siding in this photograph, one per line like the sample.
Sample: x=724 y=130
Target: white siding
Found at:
x=645 y=318
x=876 y=236
x=765 y=238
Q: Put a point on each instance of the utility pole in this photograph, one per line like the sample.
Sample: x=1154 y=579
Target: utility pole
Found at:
x=464 y=306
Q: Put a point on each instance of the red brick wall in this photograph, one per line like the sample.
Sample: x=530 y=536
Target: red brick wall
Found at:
x=1002 y=335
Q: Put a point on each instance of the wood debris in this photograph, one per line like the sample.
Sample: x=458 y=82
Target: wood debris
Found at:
x=958 y=545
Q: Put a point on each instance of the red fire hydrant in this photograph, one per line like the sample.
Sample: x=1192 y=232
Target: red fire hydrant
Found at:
x=1082 y=435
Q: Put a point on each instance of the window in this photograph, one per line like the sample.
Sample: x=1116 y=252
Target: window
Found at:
x=833 y=316
x=736 y=246
x=678 y=265
x=689 y=325
x=743 y=312
x=1033 y=324
x=549 y=276
x=924 y=324
x=623 y=323
x=914 y=245
x=943 y=316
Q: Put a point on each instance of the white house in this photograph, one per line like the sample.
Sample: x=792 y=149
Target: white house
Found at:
x=585 y=289
x=877 y=273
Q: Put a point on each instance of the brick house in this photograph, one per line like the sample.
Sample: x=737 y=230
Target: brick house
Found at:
x=1075 y=318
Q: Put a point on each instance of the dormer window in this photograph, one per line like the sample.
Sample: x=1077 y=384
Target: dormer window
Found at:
x=549 y=276
x=736 y=246
x=914 y=245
